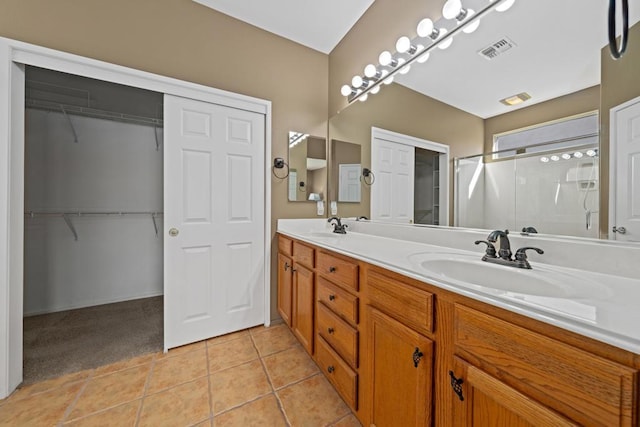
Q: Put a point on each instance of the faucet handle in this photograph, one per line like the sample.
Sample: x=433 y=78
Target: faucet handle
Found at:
x=491 y=250
x=521 y=254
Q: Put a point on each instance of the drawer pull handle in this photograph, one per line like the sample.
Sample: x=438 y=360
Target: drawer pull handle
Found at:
x=331 y=330
x=286 y=266
x=332 y=269
x=331 y=369
x=456 y=385
x=417 y=355
x=332 y=297
x=293 y=270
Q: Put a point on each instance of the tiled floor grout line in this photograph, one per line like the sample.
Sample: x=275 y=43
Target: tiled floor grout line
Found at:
x=145 y=389
x=273 y=389
x=206 y=349
x=71 y=406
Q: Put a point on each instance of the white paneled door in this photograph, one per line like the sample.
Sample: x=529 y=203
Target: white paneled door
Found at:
x=392 y=192
x=349 y=182
x=214 y=255
x=625 y=161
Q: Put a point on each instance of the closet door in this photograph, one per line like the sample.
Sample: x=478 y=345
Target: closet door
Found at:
x=214 y=220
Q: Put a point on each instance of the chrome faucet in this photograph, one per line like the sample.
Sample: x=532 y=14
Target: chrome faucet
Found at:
x=504 y=254
x=338 y=227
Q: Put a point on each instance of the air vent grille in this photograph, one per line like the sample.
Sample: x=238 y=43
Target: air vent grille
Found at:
x=497 y=48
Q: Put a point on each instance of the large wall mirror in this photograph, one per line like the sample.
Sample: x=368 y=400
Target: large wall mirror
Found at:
x=307 y=167
x=454 y=99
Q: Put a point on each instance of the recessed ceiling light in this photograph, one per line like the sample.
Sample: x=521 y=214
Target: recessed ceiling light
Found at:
x=516 y=99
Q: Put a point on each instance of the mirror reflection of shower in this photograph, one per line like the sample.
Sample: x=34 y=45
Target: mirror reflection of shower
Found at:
x=553 y=192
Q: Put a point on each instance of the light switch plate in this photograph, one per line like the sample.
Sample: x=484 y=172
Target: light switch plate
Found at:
x=320 y=207
x=334 y=208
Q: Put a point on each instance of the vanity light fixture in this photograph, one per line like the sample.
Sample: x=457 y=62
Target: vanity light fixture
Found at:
x=544 y=159
x=555 y=158
x=578 y=154
x=567 y=156
x=409 y=51
x=592 y=153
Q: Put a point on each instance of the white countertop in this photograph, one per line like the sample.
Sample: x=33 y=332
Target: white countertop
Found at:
x=606 y=308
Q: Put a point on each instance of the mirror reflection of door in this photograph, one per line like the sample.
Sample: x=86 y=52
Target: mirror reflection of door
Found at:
x=307 y=167
x=349 y=183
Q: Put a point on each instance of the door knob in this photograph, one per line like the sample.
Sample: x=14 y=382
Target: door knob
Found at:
x=173 y=232
x=620 y=230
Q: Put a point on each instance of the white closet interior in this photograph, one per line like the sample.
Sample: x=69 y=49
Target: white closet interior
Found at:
x=93 y=192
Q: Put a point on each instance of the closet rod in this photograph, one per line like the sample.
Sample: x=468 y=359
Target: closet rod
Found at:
x=34 y=214
x=78 y=214
x=91 y=112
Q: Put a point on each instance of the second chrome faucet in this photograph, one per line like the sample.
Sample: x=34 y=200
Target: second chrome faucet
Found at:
x=504 y=254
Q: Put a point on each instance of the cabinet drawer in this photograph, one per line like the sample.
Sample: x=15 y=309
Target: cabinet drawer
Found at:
x=341 y=302
x=588 y=389
x=343 y=378
x=342 y=337
x=411 y=305
x=285 y=245
x=303 y=254
x=340 y=271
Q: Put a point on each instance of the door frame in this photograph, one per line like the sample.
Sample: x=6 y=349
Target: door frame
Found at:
x=613 y=159
x=14 y=55
x=387 y=135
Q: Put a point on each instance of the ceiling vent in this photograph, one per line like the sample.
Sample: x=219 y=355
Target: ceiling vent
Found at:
x=497 y=48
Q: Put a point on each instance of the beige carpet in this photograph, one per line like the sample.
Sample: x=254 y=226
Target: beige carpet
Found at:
x=69 y=341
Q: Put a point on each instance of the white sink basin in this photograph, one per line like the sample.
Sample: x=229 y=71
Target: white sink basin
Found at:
x=472 y=272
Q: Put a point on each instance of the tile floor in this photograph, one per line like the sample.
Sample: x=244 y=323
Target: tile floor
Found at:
x=256 y=377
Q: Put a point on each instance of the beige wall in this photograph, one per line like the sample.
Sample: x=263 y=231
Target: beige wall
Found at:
x=182 y=39
x=405 y=111
x=565 y=106
x=620 y=83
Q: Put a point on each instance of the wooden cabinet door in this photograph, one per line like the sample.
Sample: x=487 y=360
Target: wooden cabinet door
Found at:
x=285 y=287
x=303 y=299
x=486 y=401
x=400 y=372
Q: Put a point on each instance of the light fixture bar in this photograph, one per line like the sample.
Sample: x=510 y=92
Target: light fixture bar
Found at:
x=376 y=83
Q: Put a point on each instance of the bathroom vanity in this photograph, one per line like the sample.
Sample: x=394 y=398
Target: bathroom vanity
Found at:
x=406 y=345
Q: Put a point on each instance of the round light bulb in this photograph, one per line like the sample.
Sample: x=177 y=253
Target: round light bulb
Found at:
x=405 y=69
x=385 y=58
x=555 y=158
x=370 y=71
x=591 y=153
x=447 y=43
x=387 y=80
x=471 y=27
x=451 y=9
x=357 y=81
x=363 y=97
x=424 y=58
x=544 y=159
x=504 y=6
x=375 y=90
x=403 y=44
x=567 y=156
x=425 y=27
x=346 y=90
x=578 y=154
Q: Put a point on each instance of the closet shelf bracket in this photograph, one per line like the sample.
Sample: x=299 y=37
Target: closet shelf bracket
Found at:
x=155 y=133
x=155 y=224
x=70 y=225
x=75 y=135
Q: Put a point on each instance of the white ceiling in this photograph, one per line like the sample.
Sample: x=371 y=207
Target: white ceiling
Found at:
x=557 y=46
x=318 y=24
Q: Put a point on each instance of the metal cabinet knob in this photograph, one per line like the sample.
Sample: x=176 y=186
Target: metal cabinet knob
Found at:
x=173 y=232
x=331 y=369
x=332 y=297
x=332 y=269
x=620 y=230
x=330 y=330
